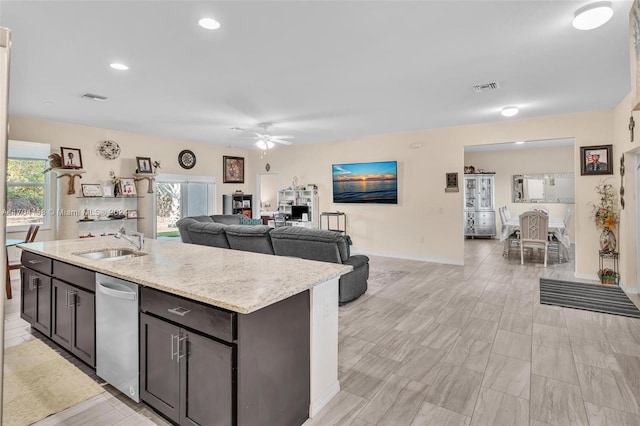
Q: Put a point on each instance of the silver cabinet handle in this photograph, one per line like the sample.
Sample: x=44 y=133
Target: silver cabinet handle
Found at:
x=173 y=351
x=34 y=262
x=34 y=283
x=180 y=340
x=179 y=311
x=71 y=299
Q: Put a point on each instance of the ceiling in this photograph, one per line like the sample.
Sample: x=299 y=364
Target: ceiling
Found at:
x=319 y=70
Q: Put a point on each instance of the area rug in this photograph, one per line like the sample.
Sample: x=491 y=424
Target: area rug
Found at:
x=608 y=299
x=39 y=382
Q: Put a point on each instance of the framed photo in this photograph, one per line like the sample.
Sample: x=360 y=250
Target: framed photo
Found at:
x=91 y=190
x=452 y=183
x=71 y=158
x=596 y=160
x=127 y=187
x=233 y=169
x=144 y=165
x=107 y=191
x=132 y=214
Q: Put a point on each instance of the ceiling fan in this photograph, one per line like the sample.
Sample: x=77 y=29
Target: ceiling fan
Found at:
x=265 y=140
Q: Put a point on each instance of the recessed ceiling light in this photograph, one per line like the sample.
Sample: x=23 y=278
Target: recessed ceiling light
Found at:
x=509 y=111
x=118 y=66
x=519 y=142
x=592 y=15
x=209 y=23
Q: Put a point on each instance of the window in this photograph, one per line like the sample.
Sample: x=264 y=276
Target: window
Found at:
x=27 y=186
x=179 y=196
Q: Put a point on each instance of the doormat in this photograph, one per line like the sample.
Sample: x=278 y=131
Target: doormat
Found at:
x=39 y=382
x=608 y=299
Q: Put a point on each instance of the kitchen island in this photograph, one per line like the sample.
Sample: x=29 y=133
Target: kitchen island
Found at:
x=271 y=303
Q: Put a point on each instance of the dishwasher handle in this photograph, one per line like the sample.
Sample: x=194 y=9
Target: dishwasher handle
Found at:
x=111 y=289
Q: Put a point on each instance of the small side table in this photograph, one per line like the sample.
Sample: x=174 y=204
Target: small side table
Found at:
x=610 y=255
x=341 y=229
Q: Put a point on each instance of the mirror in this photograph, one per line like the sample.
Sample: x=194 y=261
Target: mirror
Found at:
x=544 y=188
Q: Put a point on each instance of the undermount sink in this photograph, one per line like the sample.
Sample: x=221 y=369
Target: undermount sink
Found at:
x=111 y=254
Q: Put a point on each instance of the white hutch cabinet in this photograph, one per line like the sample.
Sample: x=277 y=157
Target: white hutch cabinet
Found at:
x=479 y=205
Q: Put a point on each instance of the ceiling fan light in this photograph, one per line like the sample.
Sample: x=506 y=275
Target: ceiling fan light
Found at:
x=270 y=144
x=261 y=144
x=592 y=15
x=510 y=111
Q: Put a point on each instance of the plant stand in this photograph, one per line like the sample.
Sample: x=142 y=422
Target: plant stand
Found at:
x=613 y=256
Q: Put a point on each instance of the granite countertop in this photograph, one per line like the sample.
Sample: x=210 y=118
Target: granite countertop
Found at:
x=236 y=280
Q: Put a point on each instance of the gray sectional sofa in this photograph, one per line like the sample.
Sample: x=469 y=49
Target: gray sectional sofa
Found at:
x=224 y=231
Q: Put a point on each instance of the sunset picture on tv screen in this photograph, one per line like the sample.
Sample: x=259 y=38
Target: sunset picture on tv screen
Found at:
x=366 y=182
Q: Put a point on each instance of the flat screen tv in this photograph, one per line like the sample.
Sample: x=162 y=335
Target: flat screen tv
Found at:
x=297 y=212
x=366 y=182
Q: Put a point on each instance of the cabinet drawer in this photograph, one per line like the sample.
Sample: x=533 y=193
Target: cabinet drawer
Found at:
x=36 y=262
x=489 y=216
x=75 y=275
x=206 y=319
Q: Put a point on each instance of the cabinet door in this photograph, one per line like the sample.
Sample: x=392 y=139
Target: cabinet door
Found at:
x=42 y=320
x=159 y=368
x=485 y=193
x=206 y=388
x=470 y=202
x=83 y=336
x=61 y=294
x=27 y=295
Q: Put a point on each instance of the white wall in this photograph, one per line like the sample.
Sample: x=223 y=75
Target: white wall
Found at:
x=426 y=223
x=58 y=134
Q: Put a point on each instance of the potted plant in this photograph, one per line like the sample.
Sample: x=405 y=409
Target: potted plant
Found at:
x=608 y=276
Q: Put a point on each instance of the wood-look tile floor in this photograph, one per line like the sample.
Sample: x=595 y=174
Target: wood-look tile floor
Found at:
x=433 y=344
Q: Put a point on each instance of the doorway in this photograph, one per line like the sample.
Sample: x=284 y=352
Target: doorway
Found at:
x=179 y=196
x=266 y=194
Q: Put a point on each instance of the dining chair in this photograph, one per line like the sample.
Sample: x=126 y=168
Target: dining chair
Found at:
x=507 y=213
x=567 y=220
x=512 y=239
x=29 y=238
x=279 y=220
x=534 y=227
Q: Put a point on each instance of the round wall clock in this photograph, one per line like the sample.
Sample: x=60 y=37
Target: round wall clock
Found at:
x=187 y=159
x=109 y=150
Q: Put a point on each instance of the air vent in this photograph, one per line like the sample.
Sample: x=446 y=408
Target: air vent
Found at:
x=486 y=87
x=92 y=97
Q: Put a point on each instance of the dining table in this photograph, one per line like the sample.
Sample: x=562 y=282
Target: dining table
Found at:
x=556 y=228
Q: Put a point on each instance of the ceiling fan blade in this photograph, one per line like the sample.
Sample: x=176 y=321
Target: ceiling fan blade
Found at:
x=283 y=137
x=281 y=142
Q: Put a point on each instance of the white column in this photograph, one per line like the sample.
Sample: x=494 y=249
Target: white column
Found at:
x=324 y=345
x=67 y=213
x=145 y=183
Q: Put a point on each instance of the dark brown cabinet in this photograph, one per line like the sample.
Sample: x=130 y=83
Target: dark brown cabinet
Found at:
x=58 y=299
x=184 y=375
x=35 y=303
x=74 y=320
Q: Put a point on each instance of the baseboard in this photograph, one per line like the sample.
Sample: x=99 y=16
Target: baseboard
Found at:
x=629 y=290
x=418 y=258
x=587 y=277
x=316 y=406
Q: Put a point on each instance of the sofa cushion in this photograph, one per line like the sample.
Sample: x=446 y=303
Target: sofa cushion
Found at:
x=208 y=234
x=227 y=219
x=313 y=244
x=184 y=223
x=249 y=238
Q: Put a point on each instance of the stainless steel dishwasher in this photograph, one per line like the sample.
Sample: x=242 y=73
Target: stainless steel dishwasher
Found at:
x=117 y=307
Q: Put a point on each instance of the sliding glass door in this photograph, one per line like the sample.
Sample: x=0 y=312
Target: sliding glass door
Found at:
x=179 y=196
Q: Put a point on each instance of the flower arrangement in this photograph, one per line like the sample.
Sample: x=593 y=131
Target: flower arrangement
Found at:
x=605 y=212
x=607 y=276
